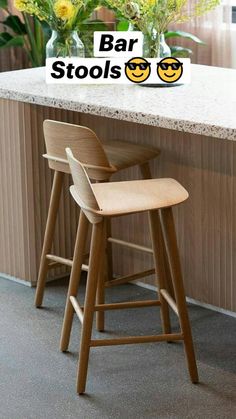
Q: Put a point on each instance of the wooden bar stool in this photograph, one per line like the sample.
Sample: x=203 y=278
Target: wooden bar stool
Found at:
x=98 y=202
x=110 y=157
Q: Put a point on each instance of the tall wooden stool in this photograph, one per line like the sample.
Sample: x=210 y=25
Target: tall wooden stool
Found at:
x=99 y=202
x=110 y=157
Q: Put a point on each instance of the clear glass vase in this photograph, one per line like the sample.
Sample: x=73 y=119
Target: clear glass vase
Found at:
x=64 y=44
x=155 y=46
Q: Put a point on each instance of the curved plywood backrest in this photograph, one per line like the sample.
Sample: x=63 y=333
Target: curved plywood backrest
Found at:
x=85 y=146
x=83 y=188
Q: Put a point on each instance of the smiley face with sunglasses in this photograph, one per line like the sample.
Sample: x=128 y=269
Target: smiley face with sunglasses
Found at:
x=137 y=69
x=169 y=69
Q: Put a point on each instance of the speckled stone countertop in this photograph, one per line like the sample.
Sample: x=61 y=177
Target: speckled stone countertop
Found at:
x=207 y=106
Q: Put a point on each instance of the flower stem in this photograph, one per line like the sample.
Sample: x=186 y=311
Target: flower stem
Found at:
x=34 y=51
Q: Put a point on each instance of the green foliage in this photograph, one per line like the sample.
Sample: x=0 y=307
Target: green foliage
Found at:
x=7 y=40
x=14 y=23
x=122 y=25
x=146 y=15
x=182 y=34
x=33 y=33
x=3 y=4
x=149 y=15
x=177 y=51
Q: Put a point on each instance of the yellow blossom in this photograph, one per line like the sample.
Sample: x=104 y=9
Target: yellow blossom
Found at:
x=64 y=9
x=20 y=5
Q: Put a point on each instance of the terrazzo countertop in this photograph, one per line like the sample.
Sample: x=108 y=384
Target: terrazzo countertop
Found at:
x=207 y=106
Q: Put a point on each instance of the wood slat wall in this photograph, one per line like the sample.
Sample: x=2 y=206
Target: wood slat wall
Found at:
x=25 y=184
x=206 y=223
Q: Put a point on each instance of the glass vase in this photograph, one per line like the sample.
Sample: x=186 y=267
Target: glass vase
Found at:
x=64 y=44
x=155 y=46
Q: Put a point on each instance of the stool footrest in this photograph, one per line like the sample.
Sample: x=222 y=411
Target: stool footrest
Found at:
x=130 y=244
x=113 y=306
x=169 y=300
x=128 y=304
x=64 y=261
x=78 y=309
x=137 y=339
x=128 y=278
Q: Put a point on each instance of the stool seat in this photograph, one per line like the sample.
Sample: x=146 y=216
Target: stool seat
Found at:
x=122 y=154
x=116 y=198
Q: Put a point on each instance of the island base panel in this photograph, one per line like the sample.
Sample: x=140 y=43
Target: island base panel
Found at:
x=206 y=223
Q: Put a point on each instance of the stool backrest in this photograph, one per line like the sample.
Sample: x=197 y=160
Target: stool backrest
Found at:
x=82 y=185
x=83 y=142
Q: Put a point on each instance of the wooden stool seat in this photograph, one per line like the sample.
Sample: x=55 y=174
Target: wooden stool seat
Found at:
x=123 y=154
x=99 y=202
x=117 y=198
x=120 y=154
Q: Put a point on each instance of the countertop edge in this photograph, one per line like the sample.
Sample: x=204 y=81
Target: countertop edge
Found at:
x=190 y=127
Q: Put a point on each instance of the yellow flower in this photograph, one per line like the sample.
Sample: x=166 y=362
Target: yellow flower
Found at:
x=64 y=9
x=20 y=5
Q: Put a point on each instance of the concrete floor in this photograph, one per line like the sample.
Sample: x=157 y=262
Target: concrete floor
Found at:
x=135 y=381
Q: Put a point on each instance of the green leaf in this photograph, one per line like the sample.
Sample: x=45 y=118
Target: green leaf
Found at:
x=15 y=24
x=182 y=34
x=85 y=12
x=123 y=25
x=7 y=40
x=92 y=26
x=3 y=4
x=177 y=51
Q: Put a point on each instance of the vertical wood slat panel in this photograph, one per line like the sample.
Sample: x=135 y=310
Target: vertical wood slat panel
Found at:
x=25 y=186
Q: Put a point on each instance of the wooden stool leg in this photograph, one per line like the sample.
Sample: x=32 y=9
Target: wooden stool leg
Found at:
x=109 y=255
x=146 y=174
x=175 y=267
x=102 y=278
x=97 y=250
x=145 y=171
x=48 y=237
x=75 y=275
x=158 y=254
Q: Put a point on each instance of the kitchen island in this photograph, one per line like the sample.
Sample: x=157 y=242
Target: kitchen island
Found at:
x=193 y=125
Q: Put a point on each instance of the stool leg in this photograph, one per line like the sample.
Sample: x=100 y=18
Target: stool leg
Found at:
x=102 y=278
x=75 y=275
x=109 y=255
x=146 y=174
x=48 y=237
x=175 y=267
x=158 y=254
x=97 y=249
x=145 y=170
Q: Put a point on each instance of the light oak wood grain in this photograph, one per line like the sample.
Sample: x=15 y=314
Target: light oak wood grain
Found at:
x=97 y=202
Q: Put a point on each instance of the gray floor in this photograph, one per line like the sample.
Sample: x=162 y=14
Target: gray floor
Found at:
x=135 y=381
